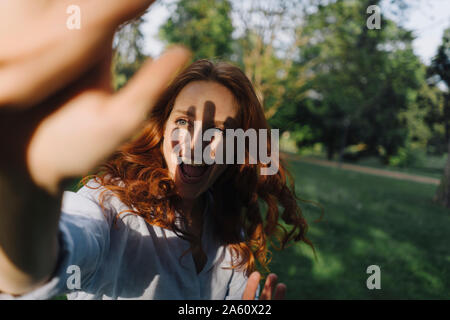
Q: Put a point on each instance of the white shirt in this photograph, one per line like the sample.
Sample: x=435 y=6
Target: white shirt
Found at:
x=130 y=259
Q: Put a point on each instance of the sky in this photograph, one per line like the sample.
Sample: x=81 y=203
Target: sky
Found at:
x=426 y=18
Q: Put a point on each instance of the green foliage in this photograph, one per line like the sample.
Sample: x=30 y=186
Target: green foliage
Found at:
x=441 y=67
x=431 y=99
x=204 y=26
x=366 y=84
x=409 y=156
x=129 y=56
x=441 y=62
x=267 y=38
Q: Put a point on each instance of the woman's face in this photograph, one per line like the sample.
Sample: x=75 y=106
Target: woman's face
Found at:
x=201 y=105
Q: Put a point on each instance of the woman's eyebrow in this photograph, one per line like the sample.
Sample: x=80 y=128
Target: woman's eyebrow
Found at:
x=190 y=112
x=229 y=123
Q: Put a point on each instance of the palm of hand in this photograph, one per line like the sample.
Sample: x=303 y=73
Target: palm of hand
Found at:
x=55 y=129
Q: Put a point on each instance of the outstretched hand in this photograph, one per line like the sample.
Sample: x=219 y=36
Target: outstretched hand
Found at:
x=59 y=118
x=271 y=290
x=41 y=54
x=58 y=114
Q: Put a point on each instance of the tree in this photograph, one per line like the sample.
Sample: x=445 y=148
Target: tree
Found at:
x=364 y=80
x=204 y=26
x=441 y=67
x=432 y=98
x=270 y=34
x=129 y=56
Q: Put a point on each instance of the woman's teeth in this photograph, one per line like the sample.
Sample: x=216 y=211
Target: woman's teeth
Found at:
x=191 y=162
x=196 y=165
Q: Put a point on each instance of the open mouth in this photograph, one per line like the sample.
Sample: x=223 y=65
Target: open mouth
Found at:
x=192 y=173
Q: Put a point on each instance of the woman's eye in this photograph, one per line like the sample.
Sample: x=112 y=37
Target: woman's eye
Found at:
x=181 y=122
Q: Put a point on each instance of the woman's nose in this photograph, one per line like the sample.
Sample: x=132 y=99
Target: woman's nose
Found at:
x=197 y=144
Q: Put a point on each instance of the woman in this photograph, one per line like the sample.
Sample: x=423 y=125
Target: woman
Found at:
x=148 y=226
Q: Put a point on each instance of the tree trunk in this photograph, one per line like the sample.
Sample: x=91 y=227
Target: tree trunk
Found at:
x=442 y=195
x=346 y=126
x=330 y=150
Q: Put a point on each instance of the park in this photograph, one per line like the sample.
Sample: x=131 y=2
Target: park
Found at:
x=338 y=187
x=336 y=94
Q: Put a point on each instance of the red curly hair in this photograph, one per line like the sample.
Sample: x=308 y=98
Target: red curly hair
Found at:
x=137 y=174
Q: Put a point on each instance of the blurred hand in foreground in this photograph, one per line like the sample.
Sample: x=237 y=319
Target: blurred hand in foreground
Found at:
x=59 y=117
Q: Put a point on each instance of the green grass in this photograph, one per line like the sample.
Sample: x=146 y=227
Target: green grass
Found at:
x=431 y=166
x=368 y=220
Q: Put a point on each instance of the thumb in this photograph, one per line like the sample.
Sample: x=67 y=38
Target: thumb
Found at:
x=131 y=104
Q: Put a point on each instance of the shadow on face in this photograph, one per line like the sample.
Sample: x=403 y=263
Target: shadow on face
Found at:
x=196 y=127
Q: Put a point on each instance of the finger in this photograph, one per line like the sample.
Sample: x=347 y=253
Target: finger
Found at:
x=269 y=286
x=121 y=11
x=280 y=292
x=98 y=78
x=130 y=106
x=103 y=72
x=50 y=55
x=50 y=64
x=252 y=286
x=94 y=124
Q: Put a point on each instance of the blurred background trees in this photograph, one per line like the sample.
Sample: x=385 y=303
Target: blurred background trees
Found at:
x=204 y=26
x=441 y=67
x=129 y=56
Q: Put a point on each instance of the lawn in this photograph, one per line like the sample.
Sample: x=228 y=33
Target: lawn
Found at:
x=368 y=220
x=430 y=166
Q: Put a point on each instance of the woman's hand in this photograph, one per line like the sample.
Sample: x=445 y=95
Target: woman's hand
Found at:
x=41 y=54
x=55 y=98
x=59 y=117
x=271 y=290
